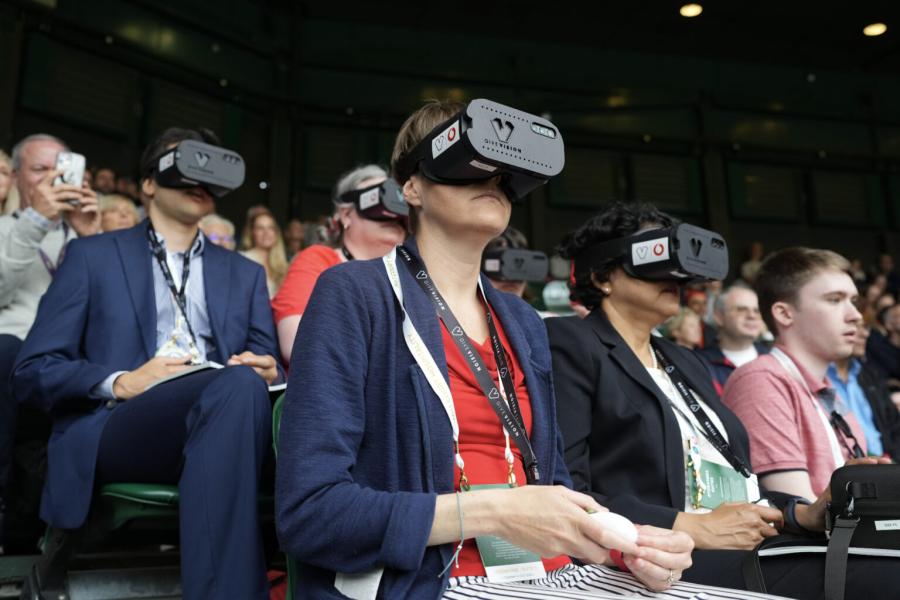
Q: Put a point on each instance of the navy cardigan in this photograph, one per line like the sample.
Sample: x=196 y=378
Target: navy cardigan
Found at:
x=365 y=445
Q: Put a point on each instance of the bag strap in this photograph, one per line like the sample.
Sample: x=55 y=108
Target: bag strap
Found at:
x=836 y=557
x=752 y=570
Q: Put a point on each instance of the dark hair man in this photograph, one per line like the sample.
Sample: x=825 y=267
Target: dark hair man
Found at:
x=126 y=310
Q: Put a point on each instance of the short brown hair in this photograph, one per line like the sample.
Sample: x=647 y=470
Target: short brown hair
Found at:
x=784 y=272
x=414 y=129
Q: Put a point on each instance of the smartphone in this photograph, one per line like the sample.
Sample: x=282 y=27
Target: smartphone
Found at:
x=72 y=166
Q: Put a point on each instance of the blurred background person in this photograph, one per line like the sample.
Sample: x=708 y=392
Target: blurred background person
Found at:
x=750 y=267
x=6 y=179
x=353 y=236
x=104 y=180
x=697 y=300
x=883 y=349
x=219 y=230
x=684 y=329
x=865 y=391
x=261 y=242
x=892 y=277
x=740 y=325
x=293 y=238
x=511 y=238
x=117 y=212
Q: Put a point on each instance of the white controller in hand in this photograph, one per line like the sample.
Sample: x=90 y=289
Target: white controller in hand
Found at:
x=618 y=525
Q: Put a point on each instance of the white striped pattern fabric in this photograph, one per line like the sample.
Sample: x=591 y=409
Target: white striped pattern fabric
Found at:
x=589 y=583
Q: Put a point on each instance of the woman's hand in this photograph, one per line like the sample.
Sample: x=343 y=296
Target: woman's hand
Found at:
x=661 y=558
x=731 y=526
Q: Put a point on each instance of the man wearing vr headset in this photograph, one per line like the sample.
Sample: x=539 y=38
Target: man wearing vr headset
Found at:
x=130 y=308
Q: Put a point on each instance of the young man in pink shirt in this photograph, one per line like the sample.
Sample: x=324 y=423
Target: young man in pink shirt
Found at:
x=799 y=429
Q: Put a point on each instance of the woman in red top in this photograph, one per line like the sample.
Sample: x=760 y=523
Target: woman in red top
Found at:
x=357 y=237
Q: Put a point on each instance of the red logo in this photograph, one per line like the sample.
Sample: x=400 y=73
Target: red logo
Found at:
x=451 y=135
x=658 y=249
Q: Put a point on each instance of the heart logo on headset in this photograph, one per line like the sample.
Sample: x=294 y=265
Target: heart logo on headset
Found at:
x=457 y=331
x=503 y=372
x=696 y=245
x=494 y=394
x=642 y=251
x=503 y=129
x=201 y=158
x=421 y=275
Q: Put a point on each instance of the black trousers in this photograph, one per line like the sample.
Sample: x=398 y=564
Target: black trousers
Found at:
x=798 y=576
x=9 y=409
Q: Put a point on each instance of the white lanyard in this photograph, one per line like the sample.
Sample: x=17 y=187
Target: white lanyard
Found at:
x=794 y=372
x=429 y=367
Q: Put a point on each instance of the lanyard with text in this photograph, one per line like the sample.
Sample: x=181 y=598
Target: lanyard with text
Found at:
x=48 y=264
x=179 y=294
x=710 y=431
x=508 y=411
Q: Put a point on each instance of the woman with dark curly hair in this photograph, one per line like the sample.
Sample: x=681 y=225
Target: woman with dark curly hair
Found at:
x=634 y=412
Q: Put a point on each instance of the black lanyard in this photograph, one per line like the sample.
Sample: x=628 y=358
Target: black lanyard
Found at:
x=710 y=431
x=510 y=416
x=839 y=424
x=346 y=253
x=180 y=298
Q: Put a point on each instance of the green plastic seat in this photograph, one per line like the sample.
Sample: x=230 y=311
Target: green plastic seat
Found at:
x=290 y=563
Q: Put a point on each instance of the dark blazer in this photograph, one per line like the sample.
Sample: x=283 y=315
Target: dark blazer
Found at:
x=884 y=412
x=719 y=366
x=623 y=444
x=365 y=444
x=98 y=317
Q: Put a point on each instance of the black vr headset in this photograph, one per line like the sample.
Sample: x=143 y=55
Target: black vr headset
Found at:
x=485 y=140
x=192 y=163
x=680 y=253
x=380 y=202
x=513 y=264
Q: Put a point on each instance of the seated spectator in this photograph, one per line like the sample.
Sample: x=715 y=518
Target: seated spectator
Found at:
x=883 y=349
x=511 y=238
x=6 y=177
x=684 y=329
x=858 y=273
x=293 y=238
x=784 y=399
x=105 y=181
x=892 y=277
x=696 y=300
x=713 y=292
x=103 y=334
x=219 y=231
x=630 y=407
x=737 y=317
x=750 y=267
x=865 y=391
x=261 y=242
x=32 y=247
x=127 y=186
x=372 y=478
x=117 y=212
x=354 y=237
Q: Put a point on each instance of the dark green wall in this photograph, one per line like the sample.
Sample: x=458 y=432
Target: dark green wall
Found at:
x=781 y=154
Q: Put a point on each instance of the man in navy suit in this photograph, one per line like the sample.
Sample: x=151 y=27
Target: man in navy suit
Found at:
x=125 y=310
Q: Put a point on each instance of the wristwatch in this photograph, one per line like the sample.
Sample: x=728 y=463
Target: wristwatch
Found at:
x=790 y=515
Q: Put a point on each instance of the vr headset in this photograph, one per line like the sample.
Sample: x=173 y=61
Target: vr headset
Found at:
x=192 y=163
x=512 y=264
x=484 y=140
x=681 y=253
x=380 y=202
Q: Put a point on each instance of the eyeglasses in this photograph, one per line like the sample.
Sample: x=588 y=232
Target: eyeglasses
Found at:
x=745 y=310
x=220 y=239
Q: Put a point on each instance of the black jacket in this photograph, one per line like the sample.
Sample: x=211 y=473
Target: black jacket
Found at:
x=622 y=441
x=884 y=412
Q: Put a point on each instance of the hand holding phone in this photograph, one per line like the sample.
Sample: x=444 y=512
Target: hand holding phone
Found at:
x=71 y=165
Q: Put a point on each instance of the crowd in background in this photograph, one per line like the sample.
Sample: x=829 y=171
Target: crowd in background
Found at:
x=718 y=321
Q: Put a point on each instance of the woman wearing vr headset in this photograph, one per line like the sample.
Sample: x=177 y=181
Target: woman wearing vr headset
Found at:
x=392 y=457
x=362 y=231
x=646 y=434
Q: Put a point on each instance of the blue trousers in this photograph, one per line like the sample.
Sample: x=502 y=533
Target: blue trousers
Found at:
x=209 y=432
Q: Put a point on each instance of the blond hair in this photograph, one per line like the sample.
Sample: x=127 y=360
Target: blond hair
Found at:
x=278 y=264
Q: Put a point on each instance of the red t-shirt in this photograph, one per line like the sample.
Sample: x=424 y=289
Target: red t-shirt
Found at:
x=301 y=278
x=481 y=439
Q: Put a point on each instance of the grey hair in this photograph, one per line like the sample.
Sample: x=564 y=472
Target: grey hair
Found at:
x=214 y=219
x=34 y=137
x=351 y=180
x=719 y=303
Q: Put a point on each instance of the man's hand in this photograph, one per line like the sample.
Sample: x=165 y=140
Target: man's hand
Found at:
x=51 y=201
x=130 y=384
x=662 y=556
x=264 y=365
x=730 y=526
x=812 y=517
x=85 y=218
